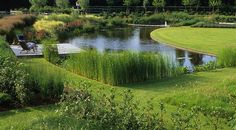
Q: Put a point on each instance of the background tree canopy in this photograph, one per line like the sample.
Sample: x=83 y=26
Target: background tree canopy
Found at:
x=13 y=4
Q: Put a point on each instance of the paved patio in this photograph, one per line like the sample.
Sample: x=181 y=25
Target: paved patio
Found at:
x=63 y=49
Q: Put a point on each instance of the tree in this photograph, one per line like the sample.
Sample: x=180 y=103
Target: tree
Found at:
x=62 y=3
x=38 y=3
x=84 y=4
x=145 y=3
x=129 y=3
x=110 y=2
x=159 y=4
x=214 y=4
x=189 y=3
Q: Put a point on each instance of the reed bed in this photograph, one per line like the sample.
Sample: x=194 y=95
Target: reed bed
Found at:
x=121 y=68
x=45 y=83
x=8 y=23
x=227 y=57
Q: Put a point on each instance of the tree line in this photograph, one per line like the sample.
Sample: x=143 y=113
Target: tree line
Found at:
x=13 y=4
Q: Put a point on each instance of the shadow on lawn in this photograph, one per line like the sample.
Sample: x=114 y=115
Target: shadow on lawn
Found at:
x=27 y=110
x=58 y=122
x=174 y=82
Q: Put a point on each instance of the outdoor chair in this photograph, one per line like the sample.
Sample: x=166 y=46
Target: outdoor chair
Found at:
x=26 y=46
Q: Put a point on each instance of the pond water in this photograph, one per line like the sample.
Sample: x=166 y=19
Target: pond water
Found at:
x=138 y=39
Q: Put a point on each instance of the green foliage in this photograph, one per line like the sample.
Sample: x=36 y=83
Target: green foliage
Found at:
x=59 y=17
x=189 y=2
x=45 y=84
x=50 y=9
x=131 y=2
x=145 y=4
x=108 y=111
x=50 y=50
x=159 y=4
x=174 y=18
x=12 y=75
x=38 y=3
x=227 y=57
x=62 y=3
x=84 y=4
x=207 y=67
x=5 y=100
x=110 y=2
x=214 y=4
x=88 y=28
x=121 y=68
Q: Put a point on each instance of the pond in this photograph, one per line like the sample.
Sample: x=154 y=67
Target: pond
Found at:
x=138 y=39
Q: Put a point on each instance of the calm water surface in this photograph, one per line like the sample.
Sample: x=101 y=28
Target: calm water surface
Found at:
x=138 y=39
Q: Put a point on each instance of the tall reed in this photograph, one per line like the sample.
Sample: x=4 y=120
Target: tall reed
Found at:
x=44 y=83
x=121 y=68
x=227 y=57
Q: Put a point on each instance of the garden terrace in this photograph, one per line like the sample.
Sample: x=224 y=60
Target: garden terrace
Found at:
x=63 y=49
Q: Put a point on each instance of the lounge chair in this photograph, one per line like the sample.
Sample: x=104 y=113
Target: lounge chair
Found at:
x=26 y=46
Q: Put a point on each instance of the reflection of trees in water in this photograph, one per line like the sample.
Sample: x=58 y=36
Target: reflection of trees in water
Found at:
x=196 y=58
x=145 y=33
x=180 y=53
x=121 y=34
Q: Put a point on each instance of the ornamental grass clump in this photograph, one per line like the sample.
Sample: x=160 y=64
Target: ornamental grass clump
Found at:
x=45 y=84
x=8 y=23
x=227 y=57
x=121 y=68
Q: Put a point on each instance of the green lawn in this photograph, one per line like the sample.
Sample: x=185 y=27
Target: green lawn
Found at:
x=206 y=89
x=206 y=40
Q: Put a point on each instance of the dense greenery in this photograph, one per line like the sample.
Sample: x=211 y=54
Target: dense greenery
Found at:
x=11 y=4
x=45 y=85
x=227 y=57
x=9 y=23
x=211 y=95
x=121 y=68
x=210 y=90
x=21 y=85
x=12 y=76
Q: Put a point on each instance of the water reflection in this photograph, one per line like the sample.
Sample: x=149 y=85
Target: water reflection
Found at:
x=137 y=40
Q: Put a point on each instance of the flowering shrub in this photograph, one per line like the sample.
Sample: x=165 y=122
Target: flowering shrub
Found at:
x=48 y=26
x=59 y=17
x=73 y=24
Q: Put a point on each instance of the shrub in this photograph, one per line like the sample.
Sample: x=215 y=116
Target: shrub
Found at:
x=109 y=111
x=121 y=68
x=50 y=9
x=155 y=19
x=213 y=25
x=59 y=17
x=9 y=23
x=88 y=28
x=12 y=75
x=117 y=22
x=47 y=26
x=227 y=57
x=207 y=67
x=50 y=50
x=5 y=100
